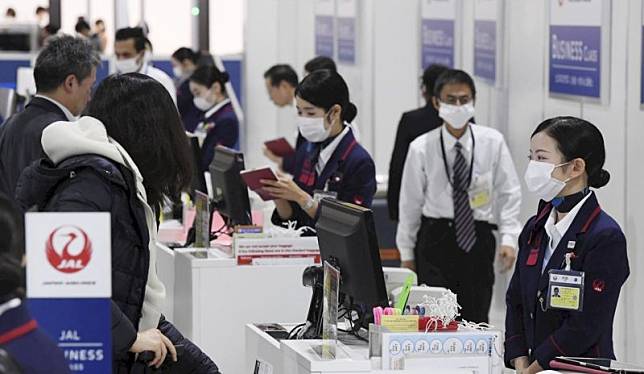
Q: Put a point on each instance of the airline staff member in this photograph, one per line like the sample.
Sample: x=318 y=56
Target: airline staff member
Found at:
x=184 y=63
x=330 y=163
x=566 y=158
x=457 y=179
x=220 y=123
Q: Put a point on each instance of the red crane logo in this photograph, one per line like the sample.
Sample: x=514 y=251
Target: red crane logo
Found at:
x=59 y=251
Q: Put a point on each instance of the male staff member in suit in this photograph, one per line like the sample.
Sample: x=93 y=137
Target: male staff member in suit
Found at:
x=457 y=179
x=65 y=72
x=412 y=125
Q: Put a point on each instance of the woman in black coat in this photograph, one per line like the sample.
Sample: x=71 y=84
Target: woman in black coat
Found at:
x=124 y=158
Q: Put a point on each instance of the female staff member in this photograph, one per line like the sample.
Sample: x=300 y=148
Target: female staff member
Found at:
x=330 y=163
x=220 y=123
x=569 y=233
x=184 y=63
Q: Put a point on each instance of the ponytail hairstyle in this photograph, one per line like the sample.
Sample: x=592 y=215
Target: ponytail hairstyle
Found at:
x=578 y=138
x=208 y=75
x=326 y=88
x=12 y=249
x=185 y=53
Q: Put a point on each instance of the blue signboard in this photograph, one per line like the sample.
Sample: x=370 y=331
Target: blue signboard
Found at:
x=575 y=60
x=347 y=40
x=437 y=42
x=642 y=74
x=324 y=36
x=81 y=328
x=485 y=49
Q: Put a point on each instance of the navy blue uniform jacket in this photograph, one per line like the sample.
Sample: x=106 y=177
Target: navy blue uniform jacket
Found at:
x=35 y=352
x=190 y=114
x=350 y=172
x=601 y=253
x=225 y=132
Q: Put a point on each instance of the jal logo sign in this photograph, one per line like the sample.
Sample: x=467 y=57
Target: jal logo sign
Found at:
x=68 y=255
x=69 y=249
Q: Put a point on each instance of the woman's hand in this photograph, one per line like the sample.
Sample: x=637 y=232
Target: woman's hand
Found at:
x=285 y=189
x=521 y=364
x=411 y=265
x=153 y=340
x=273 y=157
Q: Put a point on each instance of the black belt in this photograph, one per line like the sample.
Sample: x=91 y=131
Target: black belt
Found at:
x=450 y=222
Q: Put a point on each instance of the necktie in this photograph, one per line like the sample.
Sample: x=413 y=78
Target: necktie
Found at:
x=463 y=215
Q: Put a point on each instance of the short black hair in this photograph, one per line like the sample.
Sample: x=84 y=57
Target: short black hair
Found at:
x=135 y=33
x=139 y=114
x=64 y=55
x=99 y=21
x=208 y=75
x=281 y=72
x=82 y=25
x=326 y=88
x=453 y=76
x=319 y=63
x=11 y=12
x=41 y=9
x=12 y=248
x=578 y=138
x=430 y=75
x=185 y=53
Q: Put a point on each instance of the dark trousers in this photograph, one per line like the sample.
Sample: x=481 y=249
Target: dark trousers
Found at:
x=441 y=263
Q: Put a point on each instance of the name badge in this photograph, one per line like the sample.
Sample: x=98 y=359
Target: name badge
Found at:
x=481 y=193
x=566 y=290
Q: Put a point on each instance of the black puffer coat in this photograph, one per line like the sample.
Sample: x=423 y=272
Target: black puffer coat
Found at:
x=91 y=183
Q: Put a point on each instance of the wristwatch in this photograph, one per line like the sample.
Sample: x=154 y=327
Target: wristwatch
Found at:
x=309 y=204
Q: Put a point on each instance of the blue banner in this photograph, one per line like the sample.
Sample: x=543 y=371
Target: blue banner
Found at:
x=324 y=36
x=642 y=74
x=437 y=42
x=347 y=40
x=81 y=327
x=575 y=60
x=485 y=49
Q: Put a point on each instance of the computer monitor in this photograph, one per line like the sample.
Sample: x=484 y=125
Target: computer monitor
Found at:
x=198 y=176
x=347 y=239
x=230 y=193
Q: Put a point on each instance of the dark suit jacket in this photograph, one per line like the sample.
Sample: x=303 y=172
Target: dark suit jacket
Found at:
x=542 y=334
x=412 y=125
x=20 y=140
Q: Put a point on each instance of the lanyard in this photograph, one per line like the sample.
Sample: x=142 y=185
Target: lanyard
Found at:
x=469 y=181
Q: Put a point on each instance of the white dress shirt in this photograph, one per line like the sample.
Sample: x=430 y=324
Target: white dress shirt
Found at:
x=426 y=190
x=556 y=231
x=163 y=78
x=327 y=152
x=68 y=114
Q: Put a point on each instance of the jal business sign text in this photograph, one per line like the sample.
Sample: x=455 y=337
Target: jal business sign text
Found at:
x=438 y=32
x=69 y=284
x=324 y=27
x=486 y=38
x=575 y=47
x=347 y=28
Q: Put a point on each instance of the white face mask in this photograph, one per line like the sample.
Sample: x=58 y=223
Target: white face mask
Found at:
x=456 y=115
x=202 y=103
x=128 y=65
x=177 y=71
x=538 y=177
x=312 y=129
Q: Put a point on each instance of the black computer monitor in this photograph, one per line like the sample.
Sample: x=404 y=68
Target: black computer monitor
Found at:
x=230 y=193
x=347 y=238
x=198 y=176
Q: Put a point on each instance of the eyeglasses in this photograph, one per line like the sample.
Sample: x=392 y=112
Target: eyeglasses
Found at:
x=457 y=100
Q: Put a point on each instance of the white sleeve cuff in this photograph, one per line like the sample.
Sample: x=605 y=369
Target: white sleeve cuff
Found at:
x=509 y=240
x=406 y=254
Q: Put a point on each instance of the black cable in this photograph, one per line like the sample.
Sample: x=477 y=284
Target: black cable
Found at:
x=290 y=334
